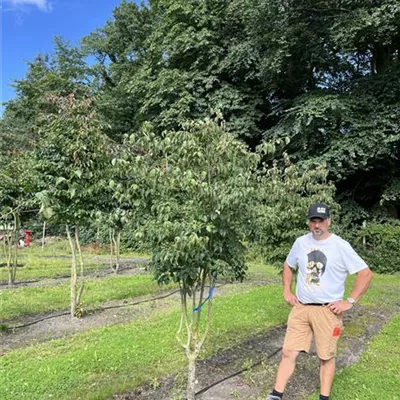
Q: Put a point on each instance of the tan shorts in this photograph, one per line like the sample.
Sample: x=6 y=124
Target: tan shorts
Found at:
x=307 y=321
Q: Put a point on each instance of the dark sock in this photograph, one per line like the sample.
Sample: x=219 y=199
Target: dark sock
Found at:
x=276 y=393
x=321 y=397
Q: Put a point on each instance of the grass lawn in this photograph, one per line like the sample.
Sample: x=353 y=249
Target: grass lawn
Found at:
x=26 y=301
x=54 y=260
x=43 y=263
x=377 y=374
x=98 y=363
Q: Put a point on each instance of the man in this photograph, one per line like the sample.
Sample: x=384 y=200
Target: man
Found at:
x=323 y=260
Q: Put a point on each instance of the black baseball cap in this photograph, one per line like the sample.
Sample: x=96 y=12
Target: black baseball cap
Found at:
x=319 y=210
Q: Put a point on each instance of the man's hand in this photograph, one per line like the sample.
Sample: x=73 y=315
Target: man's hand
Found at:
x=290 y=298
x=339 y=307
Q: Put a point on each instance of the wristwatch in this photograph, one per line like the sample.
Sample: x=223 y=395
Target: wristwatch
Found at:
x=351 y=301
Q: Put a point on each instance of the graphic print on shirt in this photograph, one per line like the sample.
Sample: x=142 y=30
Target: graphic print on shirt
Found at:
x=315 y=267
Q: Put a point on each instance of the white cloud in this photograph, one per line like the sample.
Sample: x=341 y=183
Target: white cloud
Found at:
x=43 y=5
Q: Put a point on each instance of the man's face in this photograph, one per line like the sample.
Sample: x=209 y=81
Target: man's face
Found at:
x=319 y=227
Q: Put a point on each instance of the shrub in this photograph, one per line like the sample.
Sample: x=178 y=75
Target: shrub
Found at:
x=382 y=246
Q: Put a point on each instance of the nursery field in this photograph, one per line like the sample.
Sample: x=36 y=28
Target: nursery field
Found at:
x=124 y=346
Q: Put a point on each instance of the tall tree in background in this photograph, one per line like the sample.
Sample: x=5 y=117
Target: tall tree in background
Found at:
x=61 y=74
x=71 y=158
x=341 y=60
x=323 y=72
x=171 y=61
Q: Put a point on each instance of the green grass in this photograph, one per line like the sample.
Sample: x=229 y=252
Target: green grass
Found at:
x=41 y=268
x=37 y=300
x=98 y=363
x=260 y=271
x=377 y=374
x=25 y=301
x=54 y=260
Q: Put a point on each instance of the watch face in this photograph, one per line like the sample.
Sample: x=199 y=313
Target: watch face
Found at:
x=350 y=300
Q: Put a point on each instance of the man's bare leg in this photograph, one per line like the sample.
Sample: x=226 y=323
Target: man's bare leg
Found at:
x=327 y=373
x=286 y=369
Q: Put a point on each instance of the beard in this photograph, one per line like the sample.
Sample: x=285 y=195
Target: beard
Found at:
x=318 y=232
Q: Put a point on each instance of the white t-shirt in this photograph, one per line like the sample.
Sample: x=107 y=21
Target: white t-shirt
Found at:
x=323 y=266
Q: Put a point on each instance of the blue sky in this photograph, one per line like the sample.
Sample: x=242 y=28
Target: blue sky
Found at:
x=28 y=28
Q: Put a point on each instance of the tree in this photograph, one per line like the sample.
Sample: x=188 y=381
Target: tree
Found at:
x=323 y=72
x=284 y=194
x=17 y=185
x=71 y=158
x=170 y=61
x=61 y=74
x=344 y=112
x=198 y=185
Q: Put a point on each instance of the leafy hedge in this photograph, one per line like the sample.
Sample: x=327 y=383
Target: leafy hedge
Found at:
x=382 y=247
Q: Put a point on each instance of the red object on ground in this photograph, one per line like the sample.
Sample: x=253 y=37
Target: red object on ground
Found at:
x=28 y=237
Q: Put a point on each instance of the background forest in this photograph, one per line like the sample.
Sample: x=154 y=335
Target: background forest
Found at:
x=312 y=87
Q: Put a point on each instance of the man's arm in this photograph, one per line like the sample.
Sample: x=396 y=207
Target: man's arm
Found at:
x=287 y=278
x=361 y=285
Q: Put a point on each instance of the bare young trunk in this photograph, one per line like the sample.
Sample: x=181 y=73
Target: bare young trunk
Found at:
x=43 y=234
x=191 y=378
x=79 y=252
x=15 y=246
x=11 y=244
x=8 y=253
x=117 y=251
x=191 y=318
x=111 y=248
x=73 y=272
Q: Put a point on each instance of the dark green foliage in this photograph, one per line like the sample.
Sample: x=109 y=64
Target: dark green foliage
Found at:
x=323 y=73
x=382 y=249
x=199 y=190
x=284 y=195
x=342 y=108
x=172 y=61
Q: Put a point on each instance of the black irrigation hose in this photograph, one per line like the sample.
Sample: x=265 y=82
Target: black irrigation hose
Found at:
x=96 y=309
x=37 y=321
x=16 y=284
x=235 y=373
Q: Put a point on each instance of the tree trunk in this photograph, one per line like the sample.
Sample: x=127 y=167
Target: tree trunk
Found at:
x=191 y=378
x=73 y=273
x=11 y=238
x=43 y=234
x=82 y=276
x=8 y=249
x=194 y=339
x=117 y=251
x=111 y=248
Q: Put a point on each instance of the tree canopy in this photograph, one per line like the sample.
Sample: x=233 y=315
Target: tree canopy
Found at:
x=323 y=73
